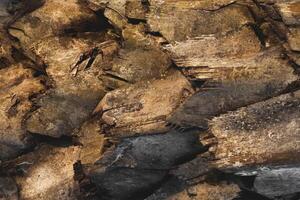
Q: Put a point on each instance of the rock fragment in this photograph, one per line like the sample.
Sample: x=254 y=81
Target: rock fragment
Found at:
x=260 y=134
x=143 y=107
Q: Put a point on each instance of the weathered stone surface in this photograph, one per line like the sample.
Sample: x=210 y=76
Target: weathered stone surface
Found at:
x=117 y=5
x=135 y=37
x=197 y=4
x=256 y=79
x=135 y=65
x=53 y=18
x=136 y=9
x=277 y=181
x=91 y=141
x=139 y=164
x=76 y=91
x=6 y=48
x=294 y=38
x=262 y=133
x=143 y=108
x=173 y=20
x=48 y=173
x=116 y=19
x=17 y=86
x=290 y=12
x=216 y=51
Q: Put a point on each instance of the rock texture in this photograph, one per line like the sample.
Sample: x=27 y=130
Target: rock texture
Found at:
x=149 y=99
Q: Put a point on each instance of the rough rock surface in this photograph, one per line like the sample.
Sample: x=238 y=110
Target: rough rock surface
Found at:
x=17 y=87
x=149 y=99
x=143 y=108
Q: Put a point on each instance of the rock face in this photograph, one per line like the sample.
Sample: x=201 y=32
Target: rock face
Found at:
x=273 y=124
x=149 y=99
x=17 y=87
x=143 y=108
x=73 y=99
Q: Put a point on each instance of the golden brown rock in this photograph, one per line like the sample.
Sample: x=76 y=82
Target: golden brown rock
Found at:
x=181 y=20
x=143 y=108
x=78 y=88
x=17 y=86
x=48 y=173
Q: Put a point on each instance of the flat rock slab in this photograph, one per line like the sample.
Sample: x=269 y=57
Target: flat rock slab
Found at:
x=180 y=20
x=139 y=164
x=143 y=108
x=256 y=79
x=213 y=51
x=262 y=133
x=154 y=151
x=17 y=86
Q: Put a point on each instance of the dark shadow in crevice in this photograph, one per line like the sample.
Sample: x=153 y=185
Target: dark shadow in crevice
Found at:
x=63 y=141
x=259 y=33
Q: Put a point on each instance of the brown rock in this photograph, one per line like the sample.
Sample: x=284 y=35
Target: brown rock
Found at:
x=92 y=142
x=262 y=133
x=256 y=79
x=135 y=65
x=53 y=18
x=208 y=52
x=143 y=108
x=48 y=173
x=290 y=12
x=76 y=91
x=17 y=87
x=179 y=20
x=136 y=9
x=294 y=39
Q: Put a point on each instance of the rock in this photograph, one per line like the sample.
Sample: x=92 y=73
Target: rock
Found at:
x=17 y=87
x=139 y=164
x=135 y=65
x=294 y=39
x=143 y=108
x=48 y=173
x=208 y=52
x=136 y=9
x=260 y=134
x=289 y=10
x=77 y=91
x=275 y=181
x=181 y=20
x=256 y=79
x=53 y=18
x=92 y=142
